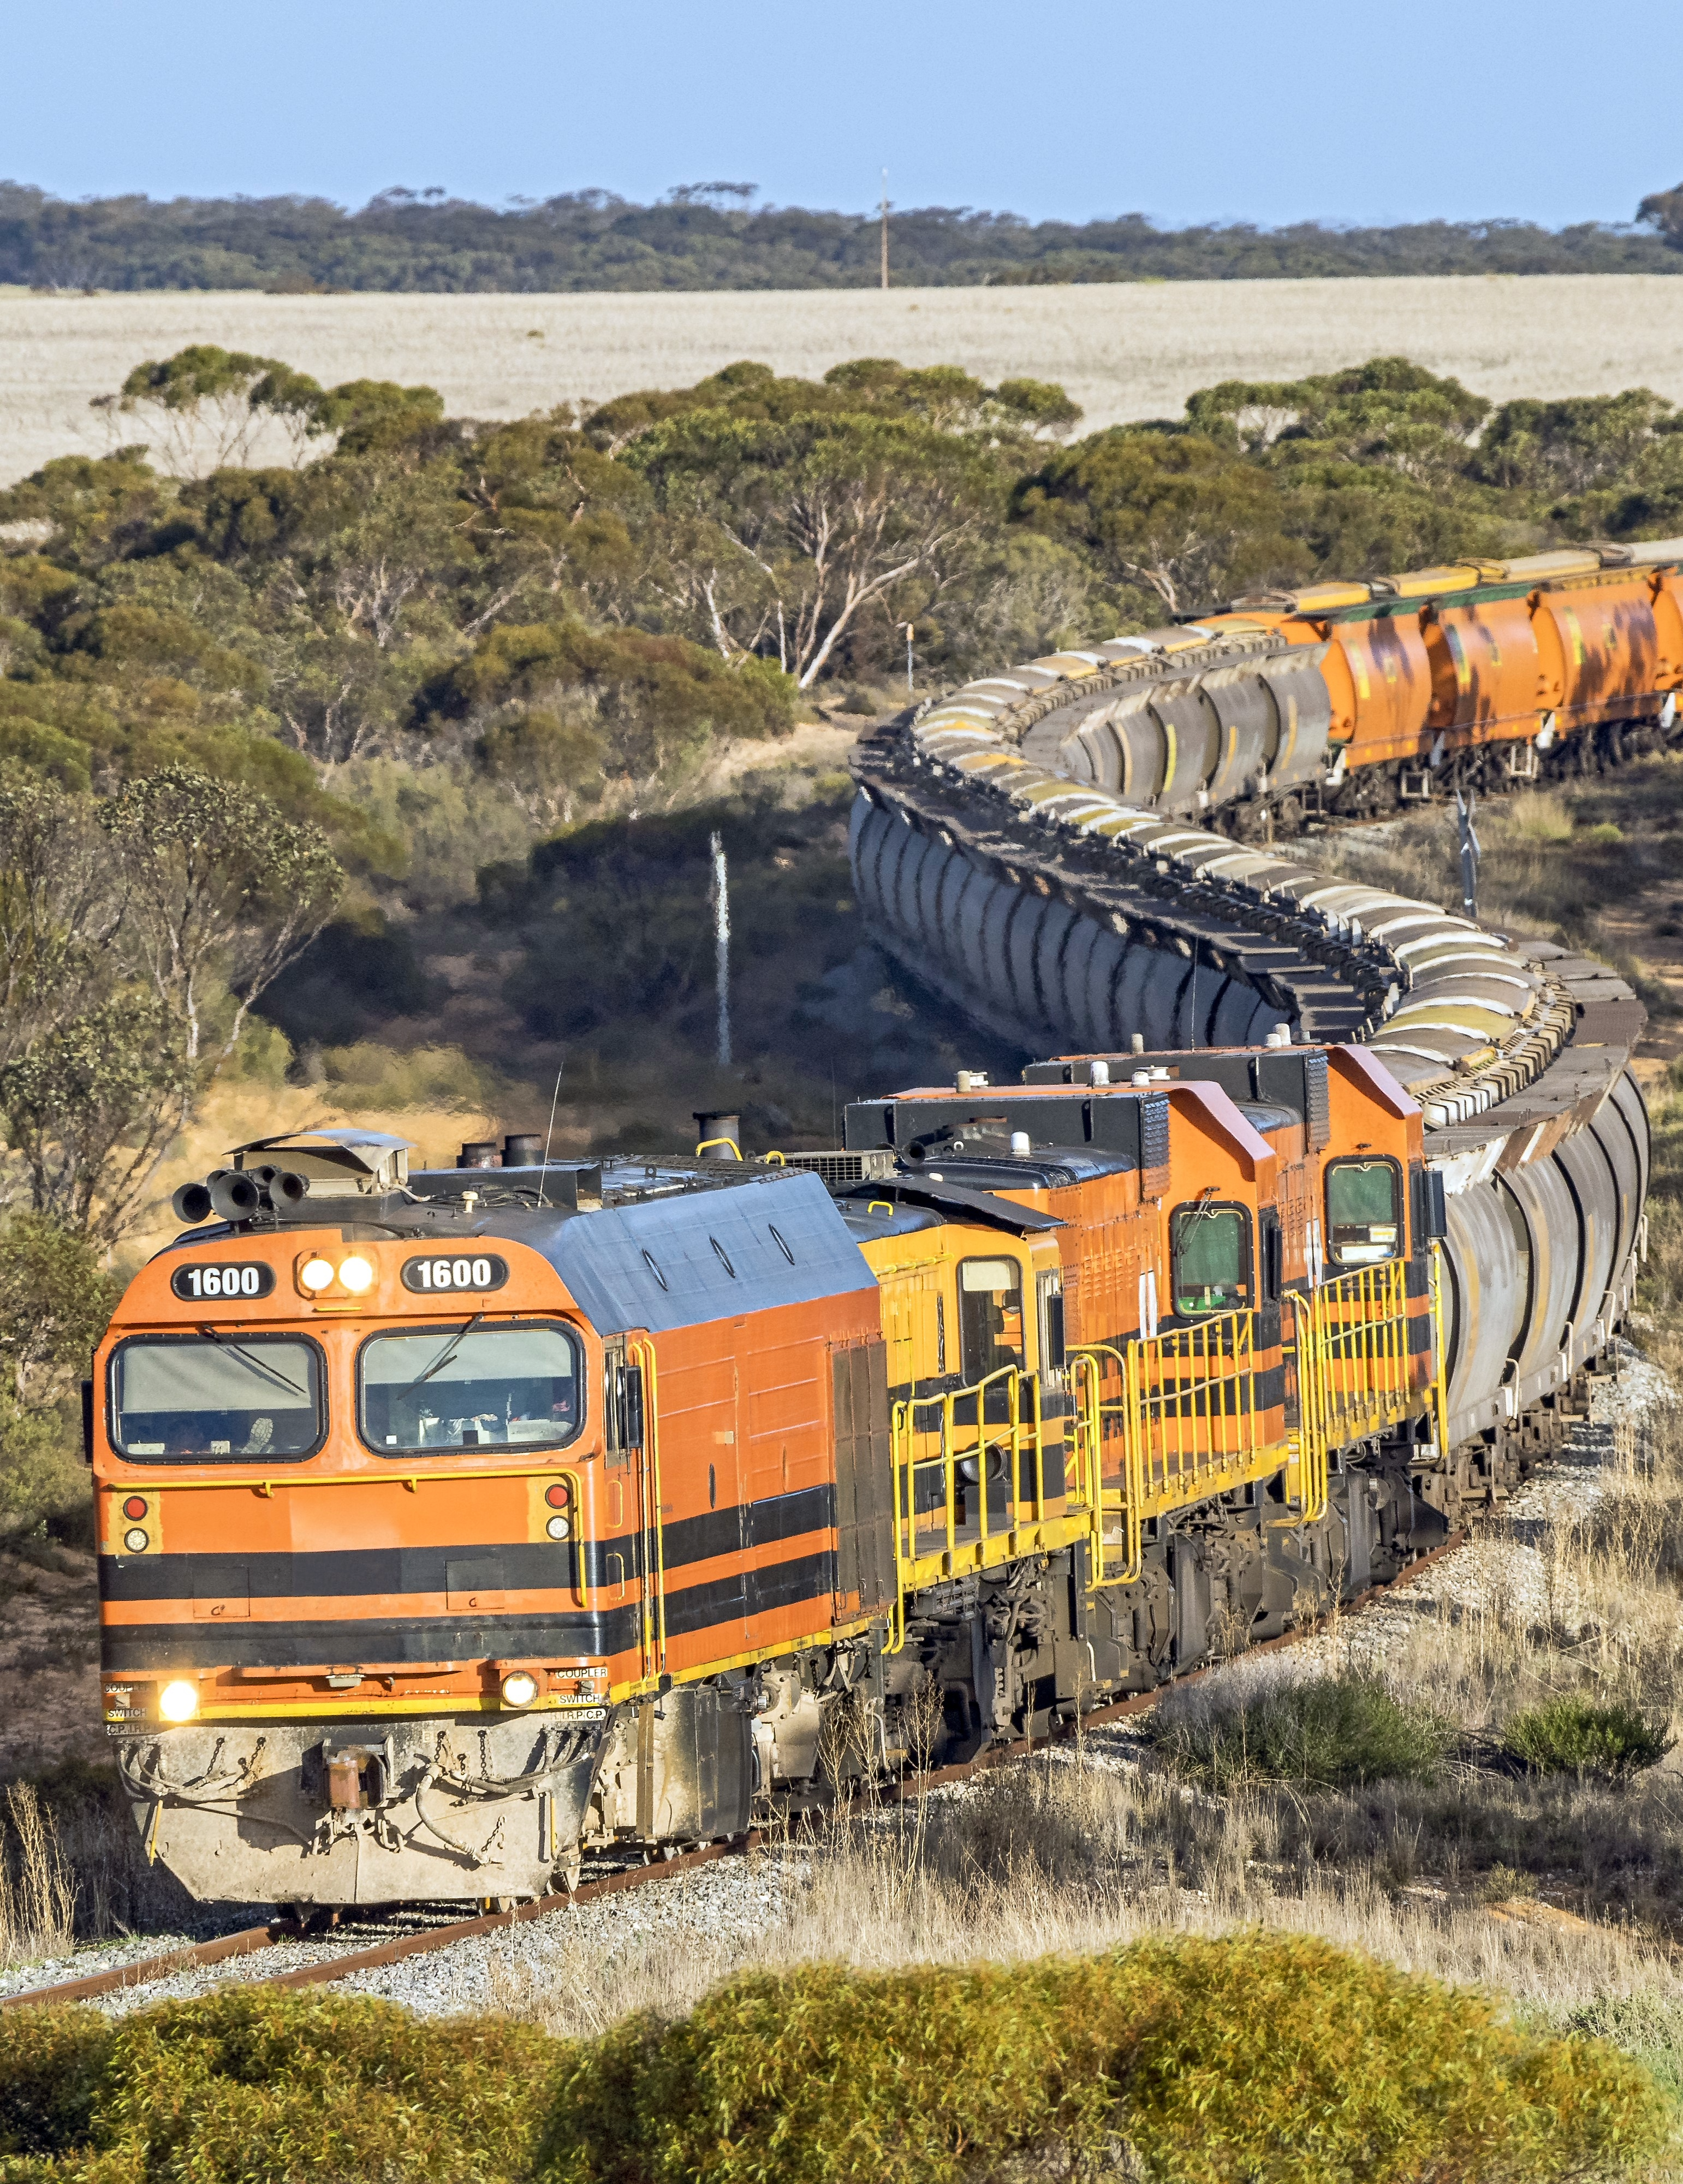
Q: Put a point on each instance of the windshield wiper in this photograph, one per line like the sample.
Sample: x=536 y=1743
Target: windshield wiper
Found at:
x=439 y=1363
x=227 y=1342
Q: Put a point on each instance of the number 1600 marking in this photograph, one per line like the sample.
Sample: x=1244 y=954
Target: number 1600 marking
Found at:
x=430 y=1276
x=199 y=1282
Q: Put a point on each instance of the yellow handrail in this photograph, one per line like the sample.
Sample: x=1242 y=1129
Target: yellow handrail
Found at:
x=1361 y=1321
x=899 y=1469
x=1093 y=1411
x=1195 y=1399
x=1354 y=1370
x=1188 y=1411
x=640 y=1349
x=973 y=1544
x=1313 y=1469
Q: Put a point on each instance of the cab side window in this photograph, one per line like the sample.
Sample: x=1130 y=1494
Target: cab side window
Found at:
x=989 y=1316
x=1210 y=1258
x=1364 y=1210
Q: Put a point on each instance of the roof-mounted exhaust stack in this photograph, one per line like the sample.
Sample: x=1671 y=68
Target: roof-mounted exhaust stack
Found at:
x=317 y=1165
x=718 y=1134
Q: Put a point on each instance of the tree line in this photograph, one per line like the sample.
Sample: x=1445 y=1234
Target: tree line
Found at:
x=714 y=237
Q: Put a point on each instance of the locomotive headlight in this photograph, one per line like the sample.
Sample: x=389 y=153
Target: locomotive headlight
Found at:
x=178 y=1702
x=316 y=1274
x=519 y=1689
x=356 y=1275
x=558 y=1528
x=137 y=1541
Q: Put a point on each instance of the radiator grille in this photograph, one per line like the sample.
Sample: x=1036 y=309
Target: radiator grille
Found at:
x=875 y=1166
x=1154 y=1144
x=1317 y=1114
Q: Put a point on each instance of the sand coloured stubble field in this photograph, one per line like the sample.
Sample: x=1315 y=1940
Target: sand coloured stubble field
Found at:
x=1124 y=351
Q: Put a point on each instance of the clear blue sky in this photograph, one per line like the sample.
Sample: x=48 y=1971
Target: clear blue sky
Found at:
x=1074 y=108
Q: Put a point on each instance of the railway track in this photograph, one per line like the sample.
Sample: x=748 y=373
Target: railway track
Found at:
x=419 y=1938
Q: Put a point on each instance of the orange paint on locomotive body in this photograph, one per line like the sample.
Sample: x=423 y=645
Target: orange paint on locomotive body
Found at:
x=745 y=1419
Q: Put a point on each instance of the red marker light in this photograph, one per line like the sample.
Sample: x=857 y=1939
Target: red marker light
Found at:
x=134 y=1507
x=558 y=1497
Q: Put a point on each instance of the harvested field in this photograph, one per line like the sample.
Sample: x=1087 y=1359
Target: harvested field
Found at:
x=1126 y=351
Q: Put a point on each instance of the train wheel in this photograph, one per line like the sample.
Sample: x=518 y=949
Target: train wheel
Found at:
x=310 y=1918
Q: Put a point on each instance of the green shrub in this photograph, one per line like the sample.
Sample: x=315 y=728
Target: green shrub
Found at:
x=249 y=2086
x=1572 y=1736
x=54 y=2072
x=1279 y=2060
x=1322 y=1732
x=1258 y=2057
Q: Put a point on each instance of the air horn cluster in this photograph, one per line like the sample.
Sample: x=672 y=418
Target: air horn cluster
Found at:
x=235 y=1193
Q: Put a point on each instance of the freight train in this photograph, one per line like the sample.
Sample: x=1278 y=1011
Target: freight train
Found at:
x=454 y=1523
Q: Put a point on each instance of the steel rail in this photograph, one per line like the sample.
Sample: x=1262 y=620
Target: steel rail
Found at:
x=144 y=1971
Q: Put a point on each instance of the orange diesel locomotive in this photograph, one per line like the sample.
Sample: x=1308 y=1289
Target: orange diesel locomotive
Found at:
x=455 y=1523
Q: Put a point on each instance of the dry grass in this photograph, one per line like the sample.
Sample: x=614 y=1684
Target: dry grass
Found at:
x=1553 y=859
x=1123 y=352
x=1068 y=1862
x=37 y=1894
x=1539 y=816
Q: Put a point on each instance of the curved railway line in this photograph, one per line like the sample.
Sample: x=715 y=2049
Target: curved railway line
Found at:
x=1040 y=846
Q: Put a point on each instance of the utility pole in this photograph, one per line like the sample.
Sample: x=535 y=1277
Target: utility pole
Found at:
x=1469 y=853
x=721 y=947
x=885 y=227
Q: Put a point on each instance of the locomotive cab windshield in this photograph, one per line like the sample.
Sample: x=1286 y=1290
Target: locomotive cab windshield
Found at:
x=204 y=1398
x=1364 y=1210
x=468 y=1387
x=1210 y=1258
